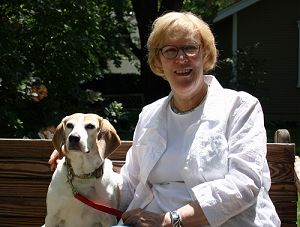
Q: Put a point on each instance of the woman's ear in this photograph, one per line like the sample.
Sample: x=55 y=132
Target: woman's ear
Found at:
x=158 y=65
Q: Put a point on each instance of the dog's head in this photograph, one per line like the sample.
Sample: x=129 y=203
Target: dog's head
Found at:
x=85 y=133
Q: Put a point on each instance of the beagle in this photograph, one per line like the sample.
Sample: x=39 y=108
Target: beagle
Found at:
x=84 y=141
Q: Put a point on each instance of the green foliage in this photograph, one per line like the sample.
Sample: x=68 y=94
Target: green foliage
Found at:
x=48 y=49
x=121 y=119
x=114 y=112
x=206 y=9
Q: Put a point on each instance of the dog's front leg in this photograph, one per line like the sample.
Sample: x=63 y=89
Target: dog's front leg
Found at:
x=52 y=222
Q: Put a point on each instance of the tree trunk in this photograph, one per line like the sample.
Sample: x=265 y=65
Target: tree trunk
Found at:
x=146 y=12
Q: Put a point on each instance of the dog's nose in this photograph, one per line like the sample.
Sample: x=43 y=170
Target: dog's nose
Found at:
x=74 y=138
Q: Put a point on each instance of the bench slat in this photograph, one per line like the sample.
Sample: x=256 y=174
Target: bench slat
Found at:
x=24 y=168
x=25 y=207
x=20 y=221
x=41 y=149
x=19 y=148
x=24 y=188
x=286 y=211
x=283 y=192
x=281 y=152
x=281 y=172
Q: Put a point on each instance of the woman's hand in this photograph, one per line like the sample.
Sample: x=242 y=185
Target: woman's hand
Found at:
x=53 y=160
x=142 y=218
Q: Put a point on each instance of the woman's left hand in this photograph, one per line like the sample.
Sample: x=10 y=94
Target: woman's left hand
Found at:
x=142 y=218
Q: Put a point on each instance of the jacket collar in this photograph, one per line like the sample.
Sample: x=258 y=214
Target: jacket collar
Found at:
x=157 y=117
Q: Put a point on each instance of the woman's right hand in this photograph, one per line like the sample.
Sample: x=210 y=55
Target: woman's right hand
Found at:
x=53 y=160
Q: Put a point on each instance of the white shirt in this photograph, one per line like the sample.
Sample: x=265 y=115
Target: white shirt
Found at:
x=225 y=170
x=168 y=187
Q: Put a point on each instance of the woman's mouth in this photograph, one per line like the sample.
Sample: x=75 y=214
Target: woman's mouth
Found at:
x=183 y=72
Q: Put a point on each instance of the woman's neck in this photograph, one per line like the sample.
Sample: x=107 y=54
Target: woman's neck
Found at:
x=186 y=104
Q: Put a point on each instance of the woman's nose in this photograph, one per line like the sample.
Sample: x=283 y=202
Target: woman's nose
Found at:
x=181 y=56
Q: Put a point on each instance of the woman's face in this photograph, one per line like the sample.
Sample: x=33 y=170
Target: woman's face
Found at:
x=185 y=71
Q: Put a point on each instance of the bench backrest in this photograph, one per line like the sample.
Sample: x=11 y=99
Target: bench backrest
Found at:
x=25 y=176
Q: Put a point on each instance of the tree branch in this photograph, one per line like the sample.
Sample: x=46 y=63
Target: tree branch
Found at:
x=125 y=32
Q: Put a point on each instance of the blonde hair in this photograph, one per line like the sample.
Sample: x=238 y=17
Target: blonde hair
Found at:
x=180 y=25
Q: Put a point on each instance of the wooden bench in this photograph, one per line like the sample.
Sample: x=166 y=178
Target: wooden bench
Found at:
x=25 y=176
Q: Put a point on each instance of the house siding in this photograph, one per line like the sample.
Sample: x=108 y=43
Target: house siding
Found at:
x=272 y=24
x=223 y=35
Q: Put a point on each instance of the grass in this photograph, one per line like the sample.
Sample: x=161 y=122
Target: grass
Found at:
x=298 y=210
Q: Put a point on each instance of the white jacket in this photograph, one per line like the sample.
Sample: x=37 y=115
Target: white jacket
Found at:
x=226 y=169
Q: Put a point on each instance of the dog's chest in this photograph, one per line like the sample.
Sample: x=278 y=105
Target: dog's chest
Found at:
x=92 y=189
x=64 y=208
x=75 y=213
x=85 y=216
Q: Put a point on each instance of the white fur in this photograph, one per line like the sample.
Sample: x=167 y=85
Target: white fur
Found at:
x=63 y=209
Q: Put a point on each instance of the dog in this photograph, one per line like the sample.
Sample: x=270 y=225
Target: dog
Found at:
x=84 y=141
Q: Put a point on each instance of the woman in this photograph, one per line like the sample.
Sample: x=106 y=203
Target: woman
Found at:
x=201 y=151
x=199 y=155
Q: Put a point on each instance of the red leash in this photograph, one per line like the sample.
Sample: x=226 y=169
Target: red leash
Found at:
x=100 y=207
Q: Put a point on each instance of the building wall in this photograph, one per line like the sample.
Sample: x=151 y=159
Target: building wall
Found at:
x=272 y=24
x=223 y=35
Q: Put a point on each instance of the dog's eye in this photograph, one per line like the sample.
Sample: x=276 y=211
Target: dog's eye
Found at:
x=90 y=126
x=70 y=126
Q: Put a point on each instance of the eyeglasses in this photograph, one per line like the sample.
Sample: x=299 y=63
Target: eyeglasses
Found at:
x=171 y=52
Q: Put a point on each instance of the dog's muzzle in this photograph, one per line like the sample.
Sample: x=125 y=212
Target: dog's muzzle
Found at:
x=75 y=144
x=74 y=138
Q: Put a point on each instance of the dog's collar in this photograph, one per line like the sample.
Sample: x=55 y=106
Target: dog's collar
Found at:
x=97 y=173
x=70 y=174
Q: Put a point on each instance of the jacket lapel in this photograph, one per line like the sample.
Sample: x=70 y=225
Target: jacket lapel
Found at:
x=154 y=137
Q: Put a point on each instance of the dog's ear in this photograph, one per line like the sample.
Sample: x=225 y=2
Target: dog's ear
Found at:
x=108 y=134
x=59 y=138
